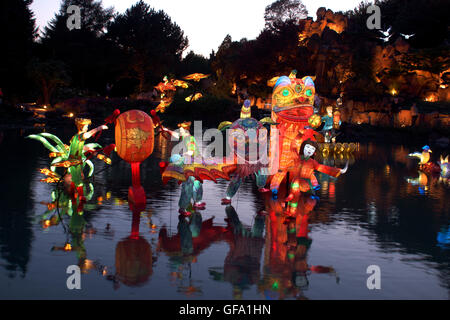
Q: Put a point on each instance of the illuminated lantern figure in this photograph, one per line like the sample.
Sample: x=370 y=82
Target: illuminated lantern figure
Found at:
x=445 y=167
x=303 y=179
x=314 y=121
x=191 y=188
x=194 y=97
x=76 y=152
x=134 y=136
x=292 y=107
x=73 y=157
x=336 y=119
x=196 y=76
x=425 y=164
x=424 y=156
x=246 y=110
x=248 y=141
x=328 y=121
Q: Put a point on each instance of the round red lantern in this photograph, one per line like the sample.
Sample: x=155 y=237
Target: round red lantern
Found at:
x=134 y=136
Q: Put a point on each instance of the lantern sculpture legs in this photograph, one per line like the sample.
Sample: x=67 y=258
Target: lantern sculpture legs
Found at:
x=191 y=189
x=236 y=182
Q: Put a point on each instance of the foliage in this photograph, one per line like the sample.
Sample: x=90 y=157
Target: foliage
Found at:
x=152 y=43
x=283 y=11
x=17 y=33
x=93 y=18
x=48 y=75
x=194 y=63
x=87 y=55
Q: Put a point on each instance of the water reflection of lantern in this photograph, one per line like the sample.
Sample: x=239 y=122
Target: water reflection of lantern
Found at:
x=332 y=190
x=134 y=261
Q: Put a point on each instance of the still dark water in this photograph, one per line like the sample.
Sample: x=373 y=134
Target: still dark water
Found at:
x=370 y=216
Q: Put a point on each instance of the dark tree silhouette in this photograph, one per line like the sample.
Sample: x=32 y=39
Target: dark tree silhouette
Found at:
x=49 y=75
x=17 y=33
x=152 y=43
x=85 y=51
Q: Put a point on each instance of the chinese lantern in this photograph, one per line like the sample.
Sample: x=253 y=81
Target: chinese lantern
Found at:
x=134 y=136
x=134 y=143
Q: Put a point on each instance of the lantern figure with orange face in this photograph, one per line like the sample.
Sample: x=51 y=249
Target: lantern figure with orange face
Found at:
x=134 y=137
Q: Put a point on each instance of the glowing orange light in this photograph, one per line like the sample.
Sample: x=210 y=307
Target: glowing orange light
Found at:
x=431 y=98
x=134 y=136
x=180 y=83
x=196 y=76
x=68 y=247
x=193 y=97
x=394 y=92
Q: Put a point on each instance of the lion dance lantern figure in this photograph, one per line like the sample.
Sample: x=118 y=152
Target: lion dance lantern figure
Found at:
x=292 y=109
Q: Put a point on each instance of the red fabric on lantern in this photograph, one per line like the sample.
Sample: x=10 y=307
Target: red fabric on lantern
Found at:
x=134 y=136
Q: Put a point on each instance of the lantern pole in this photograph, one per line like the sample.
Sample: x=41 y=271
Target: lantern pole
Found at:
x=136 y=174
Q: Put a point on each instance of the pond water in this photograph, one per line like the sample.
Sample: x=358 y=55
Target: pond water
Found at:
x=372 y=215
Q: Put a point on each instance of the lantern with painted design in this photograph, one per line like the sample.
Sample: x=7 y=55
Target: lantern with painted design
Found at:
x=134 y=143
x=134 y=136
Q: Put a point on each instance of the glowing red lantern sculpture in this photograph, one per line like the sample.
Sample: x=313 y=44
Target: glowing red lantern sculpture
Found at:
x=134 y=143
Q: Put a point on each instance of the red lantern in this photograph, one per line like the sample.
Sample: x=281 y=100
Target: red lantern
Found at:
x=134 y=136
x=134 y=143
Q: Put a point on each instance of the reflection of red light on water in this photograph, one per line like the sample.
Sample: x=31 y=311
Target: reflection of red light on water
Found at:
x=332 y=190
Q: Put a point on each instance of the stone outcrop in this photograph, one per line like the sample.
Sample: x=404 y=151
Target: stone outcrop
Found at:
x=325 y=19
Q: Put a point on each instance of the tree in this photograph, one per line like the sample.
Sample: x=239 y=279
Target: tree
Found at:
x=94 y=18
x=284 y=11
x=85 y=51
x=152 y=42
x=17 y=34
x=48 y=75
x=193 y=63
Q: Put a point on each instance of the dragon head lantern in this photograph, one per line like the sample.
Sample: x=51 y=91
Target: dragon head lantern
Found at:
x=292 y=100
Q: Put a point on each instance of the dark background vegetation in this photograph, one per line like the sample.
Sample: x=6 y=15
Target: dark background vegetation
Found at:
x=132 y=51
